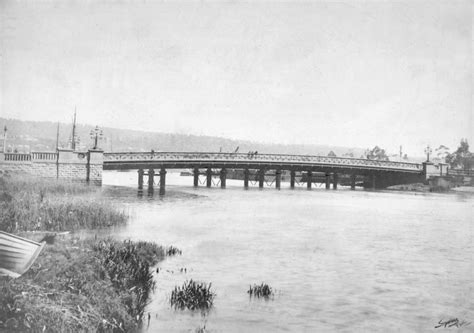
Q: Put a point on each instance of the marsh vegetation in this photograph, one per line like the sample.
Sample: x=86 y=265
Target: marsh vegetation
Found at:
x=192 y=295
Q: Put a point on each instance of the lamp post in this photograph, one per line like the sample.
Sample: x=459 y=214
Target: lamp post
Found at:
x=428 y=150
x=96 y=135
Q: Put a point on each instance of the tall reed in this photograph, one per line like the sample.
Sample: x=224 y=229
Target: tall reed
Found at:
x=31 y=204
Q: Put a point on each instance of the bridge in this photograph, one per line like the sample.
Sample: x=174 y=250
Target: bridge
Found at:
x=373 y=173
x=88 y=166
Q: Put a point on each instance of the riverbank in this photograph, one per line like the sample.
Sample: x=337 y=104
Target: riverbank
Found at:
x=76 y=284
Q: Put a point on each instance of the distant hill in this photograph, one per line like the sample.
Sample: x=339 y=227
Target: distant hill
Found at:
x=25 y=136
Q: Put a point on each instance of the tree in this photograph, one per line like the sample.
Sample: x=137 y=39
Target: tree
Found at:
x=331 y=154
x=461 y=158
x=377 y=153
x=442 y=152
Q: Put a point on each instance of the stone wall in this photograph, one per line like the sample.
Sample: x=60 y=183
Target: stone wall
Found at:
x=65 y=164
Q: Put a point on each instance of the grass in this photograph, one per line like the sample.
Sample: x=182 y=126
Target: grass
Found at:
x=262 y=290
x=74 y=285
x=192 y=295
x=39 y=205
x=100 y=286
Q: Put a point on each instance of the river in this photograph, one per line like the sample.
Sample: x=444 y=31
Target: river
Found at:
x=346 y=261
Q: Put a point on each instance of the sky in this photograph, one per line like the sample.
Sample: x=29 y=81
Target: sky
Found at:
x=346 y=73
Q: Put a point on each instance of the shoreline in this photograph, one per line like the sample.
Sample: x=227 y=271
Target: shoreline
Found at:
x=77 y=283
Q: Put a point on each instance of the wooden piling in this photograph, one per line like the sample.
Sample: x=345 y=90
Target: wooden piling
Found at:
x=246 y=178
x=209 y=177
x=151 y=179
x=196 y=177
x=278 y=179
x=223 y=176
x=140 y=179
x=353 y=181
x=261 y=178
x=162 y=181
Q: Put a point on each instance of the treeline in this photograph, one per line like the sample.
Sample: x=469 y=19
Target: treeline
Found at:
x=24 y=136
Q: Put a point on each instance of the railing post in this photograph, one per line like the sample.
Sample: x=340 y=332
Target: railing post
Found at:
x=335 y=180
x=209 y=177
x=328 y=181
x=140 y=179
x=162 y=181
x=309 y=180
x=261 y=178
x=223 y=177
x=278 y=179
x=292 y=179
x=196 y=177
x=246 y=178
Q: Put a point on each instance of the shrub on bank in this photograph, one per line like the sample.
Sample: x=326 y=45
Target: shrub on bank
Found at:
x=34 y=204
x=96 y=286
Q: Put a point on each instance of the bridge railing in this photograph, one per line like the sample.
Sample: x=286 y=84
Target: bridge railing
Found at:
x=464 y=173
x=44 y=156
x=264 y=158
x=17 y=157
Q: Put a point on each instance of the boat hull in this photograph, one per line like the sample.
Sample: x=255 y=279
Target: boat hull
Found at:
x=17 y=254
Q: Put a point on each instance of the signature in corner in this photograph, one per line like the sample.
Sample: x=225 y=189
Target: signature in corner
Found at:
x=452 y=322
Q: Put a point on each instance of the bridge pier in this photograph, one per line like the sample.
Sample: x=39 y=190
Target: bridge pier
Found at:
x=292 y=179
x=353 y=181
x=209 y=177
x=309 y=181
x=261 y=178
x=162 y=181
x=140 y=179
x=246 y=178
x=328 y=181
x=196 y=177
x=278 y=179
x=335 y=179
x=223 y=177
x=151 y=179
x=373 y=181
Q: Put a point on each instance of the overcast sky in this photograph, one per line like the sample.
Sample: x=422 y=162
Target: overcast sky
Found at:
x=353 y=73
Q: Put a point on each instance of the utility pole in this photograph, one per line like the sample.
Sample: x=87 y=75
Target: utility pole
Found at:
x=5 y=139
x=73 y=140
x=57 y=137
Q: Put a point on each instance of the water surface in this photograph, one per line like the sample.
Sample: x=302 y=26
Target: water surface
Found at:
x=348 y=261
